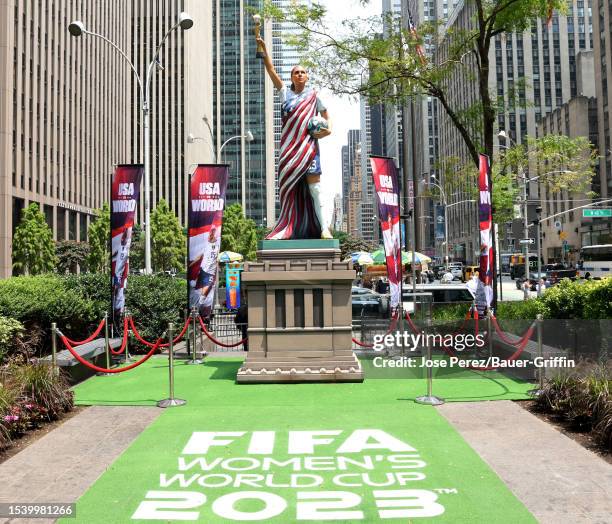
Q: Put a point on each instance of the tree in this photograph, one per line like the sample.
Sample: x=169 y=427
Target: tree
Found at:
x=33 y=246
x=350 y=244
x=71 y=254
x=99 y=240
x=137 y=258
x=168 y=242
x=557 y=162
x=387 y=64
x=239 y=233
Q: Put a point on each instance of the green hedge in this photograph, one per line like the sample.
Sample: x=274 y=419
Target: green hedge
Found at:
x=78 y=302
x=586 y=300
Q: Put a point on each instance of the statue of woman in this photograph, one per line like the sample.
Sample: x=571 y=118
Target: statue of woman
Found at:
x=299 y=165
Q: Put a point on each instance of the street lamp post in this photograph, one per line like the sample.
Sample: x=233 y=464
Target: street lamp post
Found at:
x=249 y=138
x=538 y=248
x=504 y=135
x=76 y=29
x=442 y=192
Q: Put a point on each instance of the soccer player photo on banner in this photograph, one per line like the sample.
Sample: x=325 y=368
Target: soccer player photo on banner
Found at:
x=387 y=195
x=485 y=218
x=206 y=203
x=125 y=192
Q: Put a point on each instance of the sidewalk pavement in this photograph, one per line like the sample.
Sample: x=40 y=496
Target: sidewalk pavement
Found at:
x=557 y=479
x=63 y=464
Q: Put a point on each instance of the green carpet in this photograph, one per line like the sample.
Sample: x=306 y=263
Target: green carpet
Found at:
x=413 y=466
x=148 y=383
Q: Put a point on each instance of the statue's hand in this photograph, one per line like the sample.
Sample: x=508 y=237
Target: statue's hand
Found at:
x=262 y=44
x=322 y=133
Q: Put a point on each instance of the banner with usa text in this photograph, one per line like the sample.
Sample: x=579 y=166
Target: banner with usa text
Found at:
x=125 y=193
x=386 y=185
x=485 y=218
x=206 y=203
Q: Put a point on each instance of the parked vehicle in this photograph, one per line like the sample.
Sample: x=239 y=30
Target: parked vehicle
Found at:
x=517 y=265
x=553 y=274
x=441 y=294
x=596 y=260
x=456 y=269
x=368 y=303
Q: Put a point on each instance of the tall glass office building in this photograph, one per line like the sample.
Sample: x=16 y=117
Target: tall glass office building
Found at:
x=243 y=103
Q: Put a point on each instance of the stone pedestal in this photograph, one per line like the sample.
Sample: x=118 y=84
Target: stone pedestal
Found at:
x=299 y=306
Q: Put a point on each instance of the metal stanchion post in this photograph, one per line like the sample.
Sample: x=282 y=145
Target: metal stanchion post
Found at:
x=537 y=392
x=128 y=358
x=106 y=348
x=490 y=333
x=429 y=399
x=194 y=318
x=54 y=347
x=171 y=401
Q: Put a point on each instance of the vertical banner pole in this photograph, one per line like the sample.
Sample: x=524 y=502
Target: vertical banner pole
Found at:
x=106 y=341
x=171 y=401
x=125 y=194
x=207 y=187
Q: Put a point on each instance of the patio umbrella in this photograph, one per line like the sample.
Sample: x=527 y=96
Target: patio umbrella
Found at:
x=229 y=256
x=379 y=257
x=361 y=258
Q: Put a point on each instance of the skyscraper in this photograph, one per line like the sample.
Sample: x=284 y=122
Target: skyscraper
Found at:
x=243 y=102
x=602 y=31
x=545 y=57
x=71 y=108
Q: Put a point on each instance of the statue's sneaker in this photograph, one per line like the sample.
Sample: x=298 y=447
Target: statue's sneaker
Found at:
x=326 y=234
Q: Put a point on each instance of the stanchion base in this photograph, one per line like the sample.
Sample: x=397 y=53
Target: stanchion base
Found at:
x=102 y=374
x=429 y=400
x=194 y=362
x=170 y=402
x=535 y=392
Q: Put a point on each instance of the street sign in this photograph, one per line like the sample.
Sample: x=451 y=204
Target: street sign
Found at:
x=602 y=212
x=527 y=241
x=562 y=235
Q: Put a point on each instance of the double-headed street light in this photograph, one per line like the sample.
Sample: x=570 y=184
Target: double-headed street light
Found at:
x=248 y=136
x=184 y=22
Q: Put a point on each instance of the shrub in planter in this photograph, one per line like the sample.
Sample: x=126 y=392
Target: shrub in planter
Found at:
x=153 y=300
x=40 y=300
x=8 y=398
x=10 y=331
x=40 y=387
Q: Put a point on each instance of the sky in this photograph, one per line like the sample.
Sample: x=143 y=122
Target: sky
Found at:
x=343 y=112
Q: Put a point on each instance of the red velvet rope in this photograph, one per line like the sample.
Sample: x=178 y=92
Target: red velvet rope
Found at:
x=90 y=338
x=165 y=344
x=105 y=370
x=392 y=326
x=207 y=333
x=124 y=342
x=503 y=337
x=411 y=324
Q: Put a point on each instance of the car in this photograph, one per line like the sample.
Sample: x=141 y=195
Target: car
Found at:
x=456 y=269
x=440 y=294
x=368 y=303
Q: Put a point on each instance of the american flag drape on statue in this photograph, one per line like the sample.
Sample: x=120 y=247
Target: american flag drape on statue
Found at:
x=387 y=196
x=485 y=218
